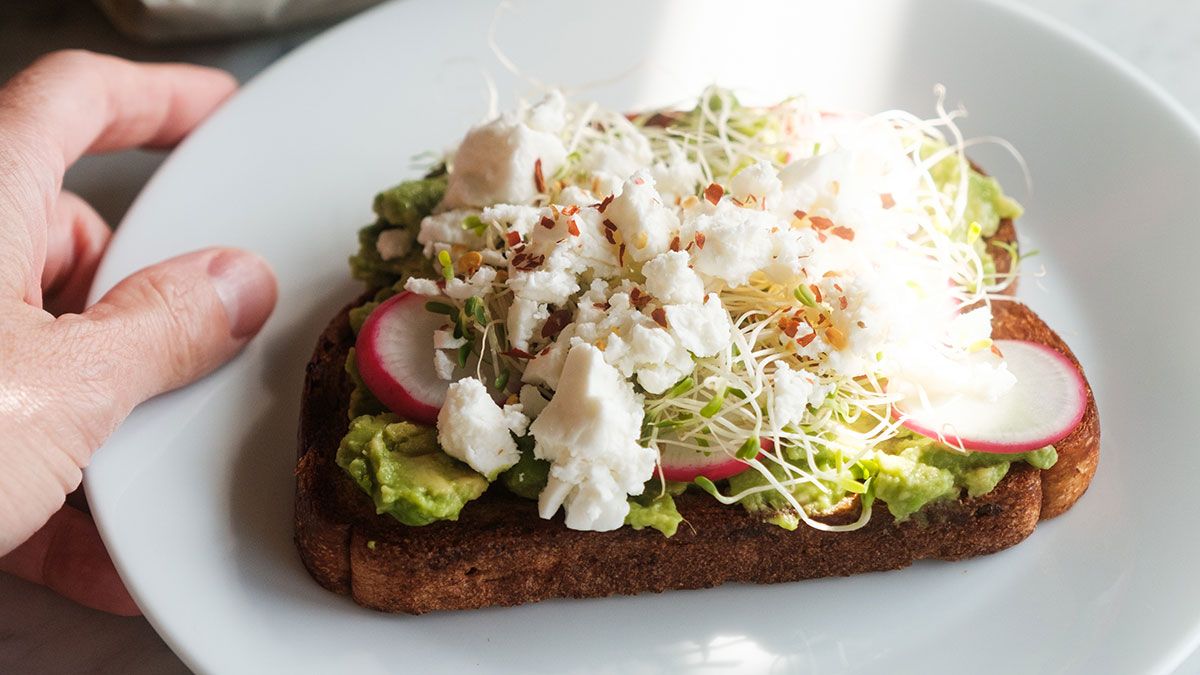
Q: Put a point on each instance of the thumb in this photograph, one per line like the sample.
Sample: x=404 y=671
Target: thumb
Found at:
x=175 y=321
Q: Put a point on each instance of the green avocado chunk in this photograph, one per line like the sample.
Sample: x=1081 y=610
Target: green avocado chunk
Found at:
x=655 y=509
x=528 y=477
x=915 y=470
x=402 y=206
x=407 y=475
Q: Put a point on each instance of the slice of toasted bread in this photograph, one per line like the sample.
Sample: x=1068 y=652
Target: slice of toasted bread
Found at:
x=501 y=553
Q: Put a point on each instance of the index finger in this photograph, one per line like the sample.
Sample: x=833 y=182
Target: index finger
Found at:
x=70 y=103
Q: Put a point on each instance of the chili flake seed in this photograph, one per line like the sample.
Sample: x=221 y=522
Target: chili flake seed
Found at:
x=470 y=262
x=689 y=201
x=713 y=193
x=638 y=298
x=843 y=232
x=660 y=316
x=539 y=181
x=886 y=200
x=835 y=337
x=641 y=240
x=821 y=222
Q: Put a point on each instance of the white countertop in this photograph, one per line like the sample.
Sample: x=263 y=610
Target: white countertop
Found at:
x=41 y=632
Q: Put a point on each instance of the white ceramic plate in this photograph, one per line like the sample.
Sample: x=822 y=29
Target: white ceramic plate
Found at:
x=194 y=493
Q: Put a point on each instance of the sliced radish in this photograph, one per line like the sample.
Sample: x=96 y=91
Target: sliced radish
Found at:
x=684 y=465
x=1042 y=408
x=395 y=357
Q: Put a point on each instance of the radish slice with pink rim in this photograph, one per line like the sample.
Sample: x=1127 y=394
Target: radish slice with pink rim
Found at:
x=685 y=465
x=1042 y=408
x=395 y=353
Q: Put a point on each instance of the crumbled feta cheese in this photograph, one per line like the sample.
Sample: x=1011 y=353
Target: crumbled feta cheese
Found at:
x=444 y=339
x=625 y=152
x=524 y=317
x=702 y=328
x=427 y=287
x=546 y=367
x=670 y=279
x=394 y=243
x=677 y=176
x=476 y=285
x=472 y=428
x=645 y=224
x=737 y=242
x=792 y=391
x=532 y=401
x=757 y=184
x=573 y=195
x=513 y=217
x=589 y=433
x=496 y=161
x=443 y=230
x=553 y=282
x=442 y=365
x=636 y=345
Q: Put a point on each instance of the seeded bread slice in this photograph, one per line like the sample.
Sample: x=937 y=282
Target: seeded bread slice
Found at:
x=501 y=553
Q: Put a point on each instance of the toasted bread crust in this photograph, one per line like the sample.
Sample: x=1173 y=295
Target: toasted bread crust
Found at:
x=501 y=553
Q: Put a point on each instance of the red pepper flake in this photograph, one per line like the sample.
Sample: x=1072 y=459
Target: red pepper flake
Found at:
x=601 y=305
x=837 y=287
x=806 y=340
x=513 y=238
x=843 y=232
x=997 y=352
x=545 y=351
x=515 y=353
x=610 y=231
x=800 y=215
x=886 y=200
x=547 y=222
x=638 y=298
x=526 y=262
x=675 y=243
x=539 y=181
x=820 y=319
x=821 y=222
x=816 y=291
x=736 y=201
x=557 y=321
x=700 y=240
x=790 y=325
x=621 y=255
x=842 y=302
x=570 y=210
x=660 y=316
x=573 y=227
x=639 y=181
x=821 y=236
x=713 y=193
x=604 y=204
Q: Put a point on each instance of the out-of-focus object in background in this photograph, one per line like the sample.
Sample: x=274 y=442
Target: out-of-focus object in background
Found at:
x=166 y=20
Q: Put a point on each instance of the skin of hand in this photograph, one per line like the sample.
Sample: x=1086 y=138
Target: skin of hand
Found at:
x=70 y=374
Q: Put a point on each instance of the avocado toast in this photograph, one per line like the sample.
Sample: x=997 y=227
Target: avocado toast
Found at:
x=465 y=542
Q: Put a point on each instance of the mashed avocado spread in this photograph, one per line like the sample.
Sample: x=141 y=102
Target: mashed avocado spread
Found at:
x=400 y=465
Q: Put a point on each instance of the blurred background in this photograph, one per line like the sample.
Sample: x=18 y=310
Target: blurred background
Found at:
x=40 y=632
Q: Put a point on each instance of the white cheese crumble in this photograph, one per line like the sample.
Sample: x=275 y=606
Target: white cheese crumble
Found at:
x=473 y=429
x=589 y=434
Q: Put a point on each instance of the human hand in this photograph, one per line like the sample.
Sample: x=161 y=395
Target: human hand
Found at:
x=66 y=382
